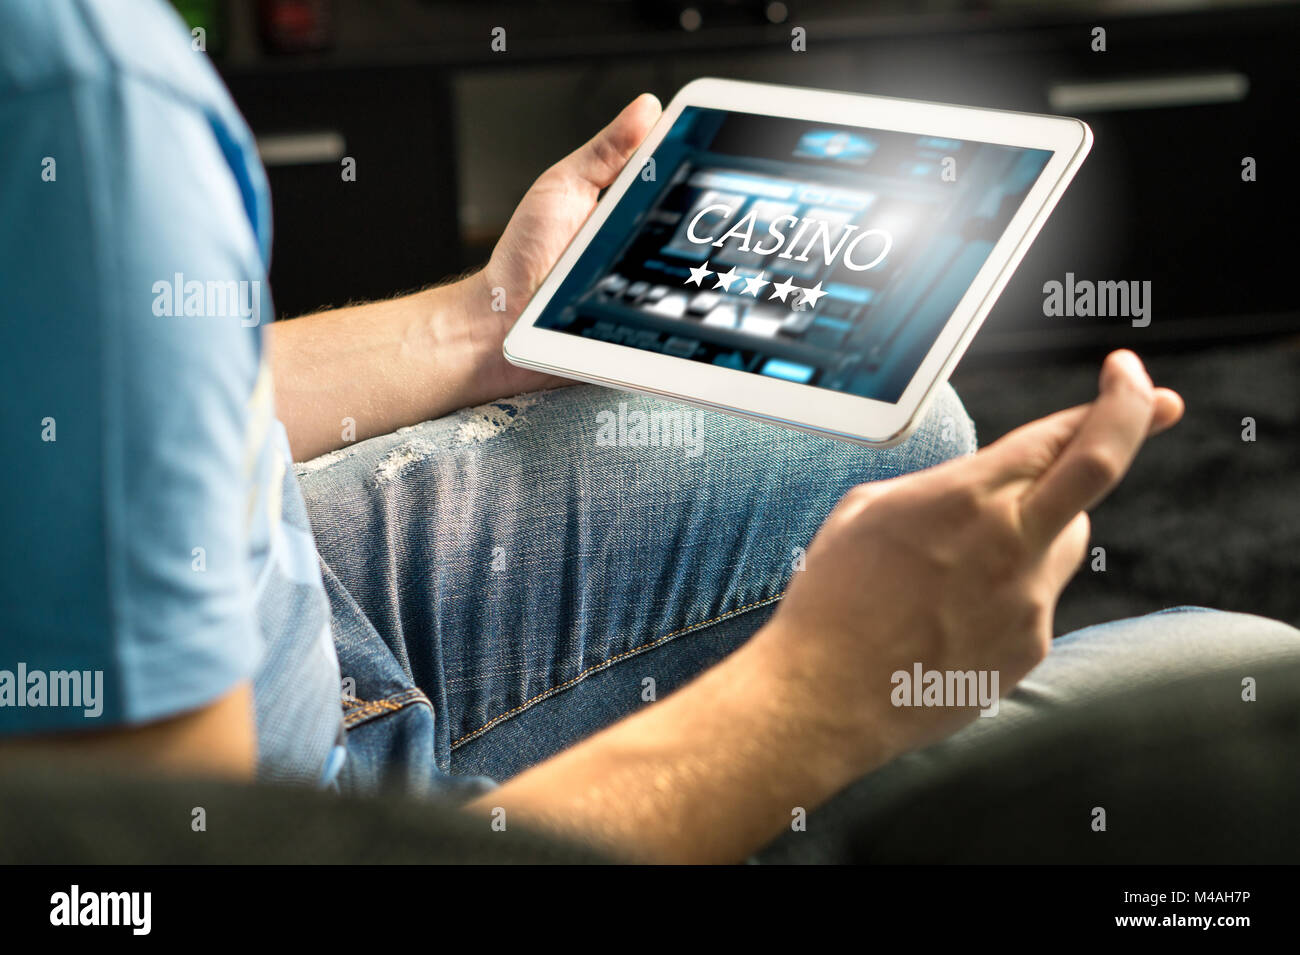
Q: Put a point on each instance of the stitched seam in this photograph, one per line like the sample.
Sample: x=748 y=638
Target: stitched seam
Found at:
x=367 y=709
x=357 y=717
x=373 y=708
x=388 y=702
x=354 y=701
x=610 y=662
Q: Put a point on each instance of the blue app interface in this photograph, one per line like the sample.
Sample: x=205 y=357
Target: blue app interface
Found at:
x=820 y=254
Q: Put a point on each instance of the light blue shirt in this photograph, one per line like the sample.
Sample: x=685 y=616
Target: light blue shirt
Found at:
x=154 y=538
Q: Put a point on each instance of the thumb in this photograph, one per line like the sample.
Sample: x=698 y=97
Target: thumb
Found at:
x=600 y=160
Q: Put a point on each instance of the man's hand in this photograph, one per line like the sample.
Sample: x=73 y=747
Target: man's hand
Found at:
x=388 y=364
x=958 y=567
x=543 y=225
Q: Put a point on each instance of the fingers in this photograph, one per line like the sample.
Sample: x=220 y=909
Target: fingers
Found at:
x=1169 y=410
x=1101 y=450
x=1028 y=451
x=599 y=161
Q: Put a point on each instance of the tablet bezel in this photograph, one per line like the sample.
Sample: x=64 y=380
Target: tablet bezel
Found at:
x=809 y=407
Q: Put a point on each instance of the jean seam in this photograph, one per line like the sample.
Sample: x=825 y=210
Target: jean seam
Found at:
x=605 y=664
x=357 y=712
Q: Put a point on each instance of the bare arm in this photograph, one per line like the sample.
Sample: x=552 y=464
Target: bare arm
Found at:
x=957 y=568
x=707 y=775
x=381 y=366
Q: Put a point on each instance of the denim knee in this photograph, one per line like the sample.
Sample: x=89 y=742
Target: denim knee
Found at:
x=946 y=431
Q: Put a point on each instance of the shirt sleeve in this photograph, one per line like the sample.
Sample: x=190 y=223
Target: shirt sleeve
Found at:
x=133 y=290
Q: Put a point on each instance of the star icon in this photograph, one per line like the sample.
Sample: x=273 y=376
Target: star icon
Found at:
x=782 y=289
x=812 y=295
x=752 y=285
x=726 y=278
x=697 y=275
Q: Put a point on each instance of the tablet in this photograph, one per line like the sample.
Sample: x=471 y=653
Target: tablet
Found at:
x=811 y=259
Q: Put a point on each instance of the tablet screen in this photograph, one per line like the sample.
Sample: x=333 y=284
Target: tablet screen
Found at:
x=826 y=255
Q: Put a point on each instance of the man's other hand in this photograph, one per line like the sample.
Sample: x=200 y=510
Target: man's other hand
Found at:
x=957 y=568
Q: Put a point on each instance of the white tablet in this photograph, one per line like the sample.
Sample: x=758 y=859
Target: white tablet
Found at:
x=811 y=259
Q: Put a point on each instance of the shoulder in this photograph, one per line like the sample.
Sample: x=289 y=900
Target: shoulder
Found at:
x=47 y=44
x=117 y=86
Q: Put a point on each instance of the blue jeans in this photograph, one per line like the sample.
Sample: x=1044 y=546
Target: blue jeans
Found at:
x=504 y=582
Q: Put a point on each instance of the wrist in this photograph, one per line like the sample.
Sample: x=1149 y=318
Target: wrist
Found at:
x=482 y=318
x=453 y=312
x=466 y=335
x=843 y=739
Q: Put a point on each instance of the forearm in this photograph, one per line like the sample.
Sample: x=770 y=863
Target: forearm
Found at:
x=709 y=774
x=356 y=372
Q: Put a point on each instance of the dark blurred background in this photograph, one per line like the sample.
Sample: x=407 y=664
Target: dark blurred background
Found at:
x=448 y=133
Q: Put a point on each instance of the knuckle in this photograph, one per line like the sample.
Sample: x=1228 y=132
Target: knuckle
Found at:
x=860 y=494
x=853 y=506
x=605 y=153
x=1099 y=465
x=857 y=498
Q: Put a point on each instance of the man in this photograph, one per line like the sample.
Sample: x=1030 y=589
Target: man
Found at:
x=489 y=593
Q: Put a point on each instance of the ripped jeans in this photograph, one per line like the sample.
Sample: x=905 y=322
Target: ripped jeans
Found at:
x=509 y=579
